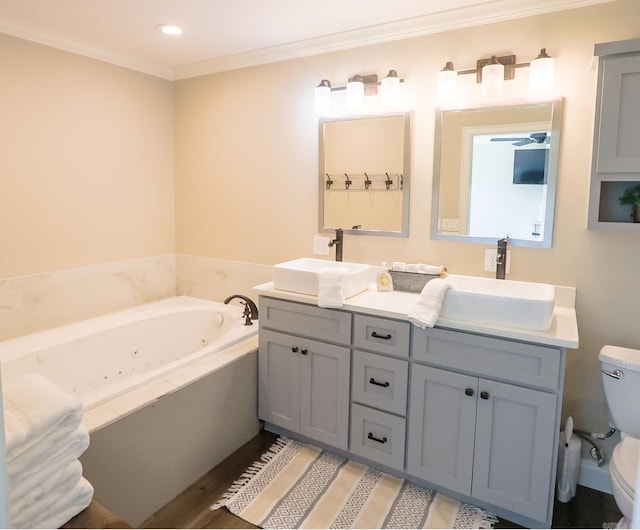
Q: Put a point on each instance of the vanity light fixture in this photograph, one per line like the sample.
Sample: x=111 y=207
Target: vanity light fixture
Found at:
x=494 y=71
x=357 y=88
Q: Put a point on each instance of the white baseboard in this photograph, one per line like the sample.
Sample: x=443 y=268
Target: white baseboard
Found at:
x=594 y=477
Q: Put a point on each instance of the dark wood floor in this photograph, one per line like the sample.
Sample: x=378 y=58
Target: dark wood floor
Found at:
x=191 y=509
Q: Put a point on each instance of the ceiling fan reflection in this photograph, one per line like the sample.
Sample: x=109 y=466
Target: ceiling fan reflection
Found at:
x=533 y=138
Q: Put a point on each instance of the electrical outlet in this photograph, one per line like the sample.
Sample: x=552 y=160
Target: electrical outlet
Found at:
x=490 y=260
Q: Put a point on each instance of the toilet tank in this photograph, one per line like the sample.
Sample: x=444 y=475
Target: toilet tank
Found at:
x=622 y=387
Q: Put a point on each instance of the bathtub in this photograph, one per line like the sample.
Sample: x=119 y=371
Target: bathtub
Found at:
x=168 y=389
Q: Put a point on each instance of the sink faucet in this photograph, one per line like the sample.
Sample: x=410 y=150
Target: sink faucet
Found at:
x=250 y=309
x=501 y=258
x=338 y=242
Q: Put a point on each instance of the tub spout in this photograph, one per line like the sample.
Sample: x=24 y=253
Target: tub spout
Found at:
x=250 y=308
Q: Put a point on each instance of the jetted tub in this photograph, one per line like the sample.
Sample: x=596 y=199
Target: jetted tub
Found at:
x=169 y=390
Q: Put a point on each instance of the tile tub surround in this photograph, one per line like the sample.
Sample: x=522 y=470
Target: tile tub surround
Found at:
x=41 y=301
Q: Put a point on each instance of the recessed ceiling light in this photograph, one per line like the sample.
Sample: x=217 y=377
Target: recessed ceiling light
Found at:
x=169 y=29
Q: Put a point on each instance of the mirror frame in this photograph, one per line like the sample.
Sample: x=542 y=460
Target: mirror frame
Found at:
x=404 y=232
x=552 y=175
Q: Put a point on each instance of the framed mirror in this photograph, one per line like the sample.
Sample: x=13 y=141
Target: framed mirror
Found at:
x=364 y=174
x=495 y=173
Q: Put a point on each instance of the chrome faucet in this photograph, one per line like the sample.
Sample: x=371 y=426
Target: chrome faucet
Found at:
x=250 y=308
x=338 y=242
x=501 y=258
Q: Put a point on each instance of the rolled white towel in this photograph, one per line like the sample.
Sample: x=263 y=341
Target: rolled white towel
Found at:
x=33 y=407
x=56 y=508
x=331 y=286
x=37 y=486
x=434 y=270
x=55 y=448
x=427 y=309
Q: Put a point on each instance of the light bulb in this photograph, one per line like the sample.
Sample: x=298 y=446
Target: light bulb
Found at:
x=447 y=84
x=493 y=78
x=322 y=100
x=355 y=93
x=541 y=73
x=390 y=88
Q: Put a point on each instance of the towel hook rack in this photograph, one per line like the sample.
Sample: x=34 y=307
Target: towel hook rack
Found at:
x=388 y=182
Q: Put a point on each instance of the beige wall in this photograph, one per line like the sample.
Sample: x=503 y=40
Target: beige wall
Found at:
x=246 y=157
x=86 y=161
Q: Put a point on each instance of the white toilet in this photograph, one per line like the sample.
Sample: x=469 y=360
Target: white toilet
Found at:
x=621 y=380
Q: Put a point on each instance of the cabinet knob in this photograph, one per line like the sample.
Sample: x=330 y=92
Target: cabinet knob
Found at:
x=484 y=394
x=304 y=351
x=294 y=349
x=468 y=391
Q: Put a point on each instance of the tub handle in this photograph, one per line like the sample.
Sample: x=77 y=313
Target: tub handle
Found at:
x=616 y=374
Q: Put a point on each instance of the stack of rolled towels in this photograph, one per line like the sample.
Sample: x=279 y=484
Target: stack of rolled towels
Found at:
x=44 y=437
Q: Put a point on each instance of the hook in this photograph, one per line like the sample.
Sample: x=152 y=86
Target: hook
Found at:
x=401 y=182
x=367 y=182
x=388 y=182
x=329 y=181
x=347 y=182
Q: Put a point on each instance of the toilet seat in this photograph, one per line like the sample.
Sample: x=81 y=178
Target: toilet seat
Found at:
x=624 y=464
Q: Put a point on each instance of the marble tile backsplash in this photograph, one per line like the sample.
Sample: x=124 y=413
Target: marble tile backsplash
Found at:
x=215 y=279
x=41 y=301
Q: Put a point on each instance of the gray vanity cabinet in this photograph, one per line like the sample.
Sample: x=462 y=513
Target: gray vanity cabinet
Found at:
x=492 y=440
x=303 y=384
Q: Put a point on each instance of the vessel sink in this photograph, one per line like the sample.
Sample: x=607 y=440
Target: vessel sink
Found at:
x=301 y=276
x=510 y=303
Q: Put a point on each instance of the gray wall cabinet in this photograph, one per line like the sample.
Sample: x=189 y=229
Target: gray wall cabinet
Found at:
x=475 y=416
x=616 y=150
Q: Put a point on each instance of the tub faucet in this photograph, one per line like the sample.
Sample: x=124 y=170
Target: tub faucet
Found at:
x=501 y=258
x=338 y=243
x=250 y=308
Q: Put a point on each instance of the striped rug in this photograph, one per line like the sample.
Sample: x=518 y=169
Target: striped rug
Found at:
x=296 y=485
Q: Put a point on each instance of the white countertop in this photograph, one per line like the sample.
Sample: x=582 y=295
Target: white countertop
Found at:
x=396 y=304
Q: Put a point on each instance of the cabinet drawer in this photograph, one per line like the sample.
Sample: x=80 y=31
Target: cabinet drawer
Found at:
x=380 y=382
x=381 y=335
x=377 y=436
x=529 y=364
x=307 y=320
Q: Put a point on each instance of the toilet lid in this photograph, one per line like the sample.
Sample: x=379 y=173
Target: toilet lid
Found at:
x=624 y=464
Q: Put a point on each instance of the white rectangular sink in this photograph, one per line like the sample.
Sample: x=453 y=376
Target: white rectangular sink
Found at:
x=301 y=276
x=525 y=305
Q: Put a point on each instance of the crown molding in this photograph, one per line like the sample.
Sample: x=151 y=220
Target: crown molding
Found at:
x=487 y=12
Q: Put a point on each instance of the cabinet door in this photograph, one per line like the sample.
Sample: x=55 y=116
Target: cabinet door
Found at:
x=618 y=146
x=324 y=392
x=514 y=449
x=442 y=411
x=279 y=380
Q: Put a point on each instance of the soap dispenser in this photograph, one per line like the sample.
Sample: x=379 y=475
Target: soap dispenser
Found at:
x=384 y=282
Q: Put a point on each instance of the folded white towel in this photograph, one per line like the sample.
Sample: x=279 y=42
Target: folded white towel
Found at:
x=55 y=448
x=38 y=485
x=434 y=270
x=56 y=508
x=331 y=286
x=33 y=407
x=425 y=313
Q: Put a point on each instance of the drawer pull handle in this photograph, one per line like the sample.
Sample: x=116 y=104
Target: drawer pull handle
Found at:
x=382 y=440
x=294 y=349
x=484 y=395
x=378 y=383
x=468 y=391
x=376 y=335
